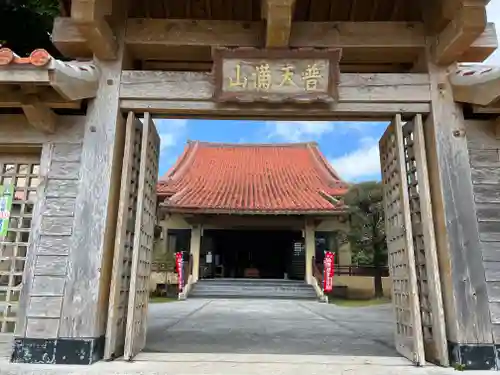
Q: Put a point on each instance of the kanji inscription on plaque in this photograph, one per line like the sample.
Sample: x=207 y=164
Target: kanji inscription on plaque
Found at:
x=270 y=75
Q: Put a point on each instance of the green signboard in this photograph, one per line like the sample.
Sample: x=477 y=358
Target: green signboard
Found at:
x=6 y=196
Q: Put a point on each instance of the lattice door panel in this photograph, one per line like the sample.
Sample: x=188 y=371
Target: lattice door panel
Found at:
x=401 y=257
x=143 y=241
x=23 y=173
x=124 y=240
x=424 y=244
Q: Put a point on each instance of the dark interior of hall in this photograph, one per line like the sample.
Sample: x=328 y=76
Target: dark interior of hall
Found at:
x=262 y=254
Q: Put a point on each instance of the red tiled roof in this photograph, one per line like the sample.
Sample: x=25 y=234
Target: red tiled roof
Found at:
x=235 y=178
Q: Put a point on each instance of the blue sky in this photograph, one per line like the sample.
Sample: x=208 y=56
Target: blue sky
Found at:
x=351 y=147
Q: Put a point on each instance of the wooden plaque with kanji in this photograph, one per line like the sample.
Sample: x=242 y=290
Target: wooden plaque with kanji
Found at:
x=252 y=75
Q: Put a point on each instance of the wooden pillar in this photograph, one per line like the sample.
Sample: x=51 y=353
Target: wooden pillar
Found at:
x=195 y=248
x=79 y=254
x=462 y=271
x=344 y=254
x=310 y=247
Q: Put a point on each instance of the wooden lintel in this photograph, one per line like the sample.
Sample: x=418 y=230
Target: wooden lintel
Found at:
x=12 y=97
x=192 y=40
x=459 y=35
x=353 y=87
x=38 y=114
x=360 y=96
x=88 y=16
x=278 y=15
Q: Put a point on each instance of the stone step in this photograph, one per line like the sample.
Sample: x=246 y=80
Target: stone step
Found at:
x=248 y=288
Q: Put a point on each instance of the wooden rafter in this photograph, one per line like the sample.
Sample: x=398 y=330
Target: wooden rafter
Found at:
x=161 y=39
x=88 y=16
x=468 y=24
x=278 y=15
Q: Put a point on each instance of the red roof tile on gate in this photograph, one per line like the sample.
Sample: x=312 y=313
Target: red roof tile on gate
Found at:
x=238 y=178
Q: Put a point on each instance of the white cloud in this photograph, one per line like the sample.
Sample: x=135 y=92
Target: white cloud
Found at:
x=171 y=131
x=361 y=163
x=493 y=11
x=300 y=131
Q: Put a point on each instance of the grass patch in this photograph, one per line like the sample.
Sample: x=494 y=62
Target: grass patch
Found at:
x=359 y=303
x=162 y=299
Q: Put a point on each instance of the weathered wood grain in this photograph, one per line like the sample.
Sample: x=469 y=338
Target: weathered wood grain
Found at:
x=57 y=226
x=203 y=109
x=486 y=194
x=488 y=211
x=481 y=135
x=42 y=328
x=489 y=230
x=47 y=286
x=16 y=129
x=80 y=315
x=495 y=312
x=492 y=271
x=45 y=307
x=465 y=292
x=484 y=158
x=31 y=257
x=115 y=332
x=179 y=86
x=494 y=291
x=51 y=265
x=67 y=152
x=54 y=245
x=486 y=175
x=62 y=188
x=59 y=207
x=64 y=170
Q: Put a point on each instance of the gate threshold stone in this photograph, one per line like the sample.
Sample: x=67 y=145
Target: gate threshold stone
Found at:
x=231 y=364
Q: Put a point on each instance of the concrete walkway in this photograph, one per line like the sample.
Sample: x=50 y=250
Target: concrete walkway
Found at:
x=250 y=337
x=269 y=327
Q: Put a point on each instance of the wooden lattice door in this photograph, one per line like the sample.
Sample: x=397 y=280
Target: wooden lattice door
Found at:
x=124 y=240
x=424 y=244
x=135 y=338
x=401 y=256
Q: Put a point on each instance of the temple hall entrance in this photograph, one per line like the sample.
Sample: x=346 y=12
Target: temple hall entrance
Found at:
x=251 y=253
x=411 y=325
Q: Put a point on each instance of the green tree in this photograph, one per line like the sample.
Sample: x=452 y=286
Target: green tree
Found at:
x=27 y=24
x=367 y=235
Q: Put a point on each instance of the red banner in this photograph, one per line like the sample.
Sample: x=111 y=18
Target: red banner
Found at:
x=328 y=264
x=178 y=263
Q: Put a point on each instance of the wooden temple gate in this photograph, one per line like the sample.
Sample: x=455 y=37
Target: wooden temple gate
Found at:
x=87 y=259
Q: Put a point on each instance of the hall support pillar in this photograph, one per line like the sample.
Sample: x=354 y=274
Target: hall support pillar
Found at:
x=465 y=294
x=310 y=247
x=195 y=246
x=344 y=254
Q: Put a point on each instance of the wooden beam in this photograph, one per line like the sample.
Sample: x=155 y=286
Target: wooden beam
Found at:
x=38 y=114
x=483 y=47
x=353 y=87
x=278 y=15
x=459 y=35
x=12 y=97
x=88 y=16
x=208 y=109
x=192 y=40
x=190 y=93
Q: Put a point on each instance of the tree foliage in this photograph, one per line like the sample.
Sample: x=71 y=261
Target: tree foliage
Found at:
x=27 y=24
x=367 y=235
